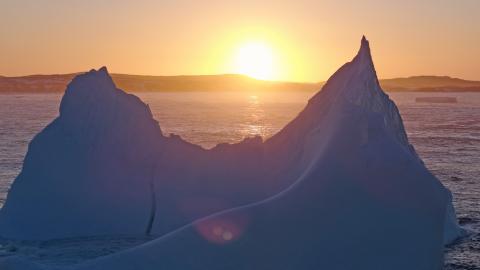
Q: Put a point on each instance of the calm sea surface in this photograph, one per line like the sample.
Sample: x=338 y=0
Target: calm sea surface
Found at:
x=447 y=137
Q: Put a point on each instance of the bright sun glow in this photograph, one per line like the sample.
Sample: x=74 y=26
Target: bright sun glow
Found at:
x=255 y=59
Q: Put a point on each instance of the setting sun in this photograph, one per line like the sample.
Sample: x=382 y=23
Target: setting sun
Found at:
x=255 y=59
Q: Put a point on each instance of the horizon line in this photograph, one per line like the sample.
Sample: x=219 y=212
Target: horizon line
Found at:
x=230 y=74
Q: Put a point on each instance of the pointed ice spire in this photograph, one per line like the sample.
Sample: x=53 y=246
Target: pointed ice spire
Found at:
x=357 y=79
x=364 y=56
x=356 y=84
x=364 y=45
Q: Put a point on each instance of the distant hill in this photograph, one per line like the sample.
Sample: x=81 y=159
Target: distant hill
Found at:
x=430 y=84
x=228 y=82
x=140 y=83
x=35 y=83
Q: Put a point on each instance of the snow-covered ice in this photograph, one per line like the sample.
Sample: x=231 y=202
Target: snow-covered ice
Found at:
x=340 y=187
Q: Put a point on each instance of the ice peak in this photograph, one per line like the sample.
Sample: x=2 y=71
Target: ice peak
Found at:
x=93 y=88
x=364 y=57
x=92 y=102
x=356 y=85
x=357 y=79
x=98 y=75
x=364 y=41
x=103 y=69
x=99 y=79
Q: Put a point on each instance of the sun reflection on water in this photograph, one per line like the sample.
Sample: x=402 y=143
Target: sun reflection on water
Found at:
x=254 y=116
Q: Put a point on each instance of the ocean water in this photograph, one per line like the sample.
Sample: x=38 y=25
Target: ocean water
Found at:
x=447 y=137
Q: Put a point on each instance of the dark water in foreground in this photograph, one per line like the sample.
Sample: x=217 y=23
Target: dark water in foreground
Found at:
x=447 y=137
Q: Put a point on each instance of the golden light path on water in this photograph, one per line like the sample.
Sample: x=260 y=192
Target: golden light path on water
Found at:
x=254 y=118
x=210 y=118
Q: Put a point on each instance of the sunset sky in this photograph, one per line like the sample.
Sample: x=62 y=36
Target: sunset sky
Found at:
x=279 y=40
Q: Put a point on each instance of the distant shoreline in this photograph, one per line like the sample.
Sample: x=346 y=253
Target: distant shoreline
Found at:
x=225 y=83
x=16 y=92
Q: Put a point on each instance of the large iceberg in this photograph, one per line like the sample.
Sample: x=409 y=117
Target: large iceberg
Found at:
x=339 y=187
x=103 y=167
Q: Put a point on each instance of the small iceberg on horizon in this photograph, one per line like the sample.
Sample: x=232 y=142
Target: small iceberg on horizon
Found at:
x=436 y=100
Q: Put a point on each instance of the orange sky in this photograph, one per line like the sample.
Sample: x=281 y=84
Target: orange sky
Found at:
x=308 y=40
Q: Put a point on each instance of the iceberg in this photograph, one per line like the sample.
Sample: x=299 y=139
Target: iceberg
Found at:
x=103 y=167
x=339 y=187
